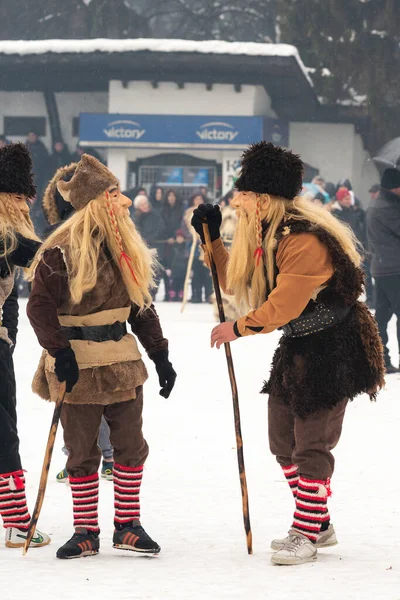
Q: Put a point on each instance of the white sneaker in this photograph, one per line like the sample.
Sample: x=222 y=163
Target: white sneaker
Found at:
x=16 y=538
x=325 y=539
x=296 y=550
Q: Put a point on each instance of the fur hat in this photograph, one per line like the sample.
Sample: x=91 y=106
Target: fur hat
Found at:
x=16 y=171
x=54 y=206
x=269 y=169
x=90 y=180
x=391 y=179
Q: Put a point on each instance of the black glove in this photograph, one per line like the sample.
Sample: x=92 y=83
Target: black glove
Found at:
x=66 y=367
x=165 y=372
x=210 y=214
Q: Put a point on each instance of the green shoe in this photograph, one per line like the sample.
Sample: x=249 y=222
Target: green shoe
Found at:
x=107 y=470
x=62 y=476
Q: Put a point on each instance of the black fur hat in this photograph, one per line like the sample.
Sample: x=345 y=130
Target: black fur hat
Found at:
x=269 y=169
x=16 y=170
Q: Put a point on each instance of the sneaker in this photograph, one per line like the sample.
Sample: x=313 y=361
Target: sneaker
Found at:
x=107 y=470
x=325 y=539
x=62 y=476
x=136 y=539
x=390 y=369
x=296 y=550
x=16 y=538
x=82 y=543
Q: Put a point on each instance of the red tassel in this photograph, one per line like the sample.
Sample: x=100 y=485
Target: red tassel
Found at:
x=258 y=255
x=328 y=488
x=128 y=261
x=19 y=484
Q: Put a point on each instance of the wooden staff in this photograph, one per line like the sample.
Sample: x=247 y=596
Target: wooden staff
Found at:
x=235 y=395
x=46 y=466
x=188 y=270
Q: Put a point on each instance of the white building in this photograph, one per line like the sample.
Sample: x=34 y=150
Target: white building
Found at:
x=178 y=113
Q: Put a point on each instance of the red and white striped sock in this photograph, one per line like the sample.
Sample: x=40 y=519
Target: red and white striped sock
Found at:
x=127 y=482
x=311 y=507
x=13 y=506
x=85 y=497
x=292 y=477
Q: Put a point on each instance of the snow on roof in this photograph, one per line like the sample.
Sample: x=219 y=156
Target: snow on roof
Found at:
x=29 y=47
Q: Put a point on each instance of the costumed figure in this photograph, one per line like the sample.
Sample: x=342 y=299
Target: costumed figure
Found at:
x=92 y=275
x=56 y=211
x=18 y=245
x=297 y=268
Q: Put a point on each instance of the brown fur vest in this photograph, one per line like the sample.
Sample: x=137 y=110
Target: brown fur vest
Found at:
x=319 y=370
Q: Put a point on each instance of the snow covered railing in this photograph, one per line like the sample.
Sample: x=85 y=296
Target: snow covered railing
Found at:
x=30 y=47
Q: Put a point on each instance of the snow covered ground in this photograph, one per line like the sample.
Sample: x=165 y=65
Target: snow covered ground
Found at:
x=191 y=501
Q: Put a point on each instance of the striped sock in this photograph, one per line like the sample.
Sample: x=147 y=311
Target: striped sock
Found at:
x=311 y=507
x=85 y=498
x=13 y=506
x=127 y=482
x=292 y=477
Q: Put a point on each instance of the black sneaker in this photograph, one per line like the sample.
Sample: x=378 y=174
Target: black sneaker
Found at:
x=136 y=539
x=390 y=369
x=82 y=543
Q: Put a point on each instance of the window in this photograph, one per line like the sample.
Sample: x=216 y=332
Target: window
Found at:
x=21 y=126
x=75 y=126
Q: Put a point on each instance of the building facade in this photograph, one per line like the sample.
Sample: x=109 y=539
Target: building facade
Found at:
x=177 y=113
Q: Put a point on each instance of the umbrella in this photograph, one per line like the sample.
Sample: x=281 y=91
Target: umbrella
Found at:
x=388 y=157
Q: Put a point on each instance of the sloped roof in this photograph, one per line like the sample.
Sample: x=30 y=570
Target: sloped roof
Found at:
x=90 y=64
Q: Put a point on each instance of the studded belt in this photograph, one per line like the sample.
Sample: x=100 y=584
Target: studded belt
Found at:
x=321 y=318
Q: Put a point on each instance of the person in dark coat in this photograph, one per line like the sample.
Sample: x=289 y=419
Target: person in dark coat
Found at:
x=18 y=246
x=41 y=170
x=178 y=266
x=61 y=156
x=383 y=228
x=171 y=218
x=146 y=220
x=348 y=209
x=156 y=198
x=347 y=212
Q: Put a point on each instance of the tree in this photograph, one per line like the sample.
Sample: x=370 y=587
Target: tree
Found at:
x=353 y=48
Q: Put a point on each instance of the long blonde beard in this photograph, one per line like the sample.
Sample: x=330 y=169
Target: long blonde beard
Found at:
x=12 y=222
x=84 y=234
x=244 y=278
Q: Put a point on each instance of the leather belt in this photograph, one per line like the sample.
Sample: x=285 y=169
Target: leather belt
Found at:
x=321 y=318
x=97 y=333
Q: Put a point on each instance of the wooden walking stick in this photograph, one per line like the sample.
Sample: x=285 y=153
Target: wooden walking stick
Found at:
x=188 y=270
x=235 y=396
x=46 y=466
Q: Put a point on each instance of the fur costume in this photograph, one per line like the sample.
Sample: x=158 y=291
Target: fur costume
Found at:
x=270 y=169
x=319 y=370
x=16 y=171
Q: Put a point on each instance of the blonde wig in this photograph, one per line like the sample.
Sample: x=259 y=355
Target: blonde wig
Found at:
x=252 y=262
x=12 y=222
x=84 y=234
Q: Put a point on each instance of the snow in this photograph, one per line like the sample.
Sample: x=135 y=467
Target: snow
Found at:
x=29 y=47
x=191 y=497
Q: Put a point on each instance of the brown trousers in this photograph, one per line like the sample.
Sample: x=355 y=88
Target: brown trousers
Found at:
x=81 y=423
x=307 y=442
